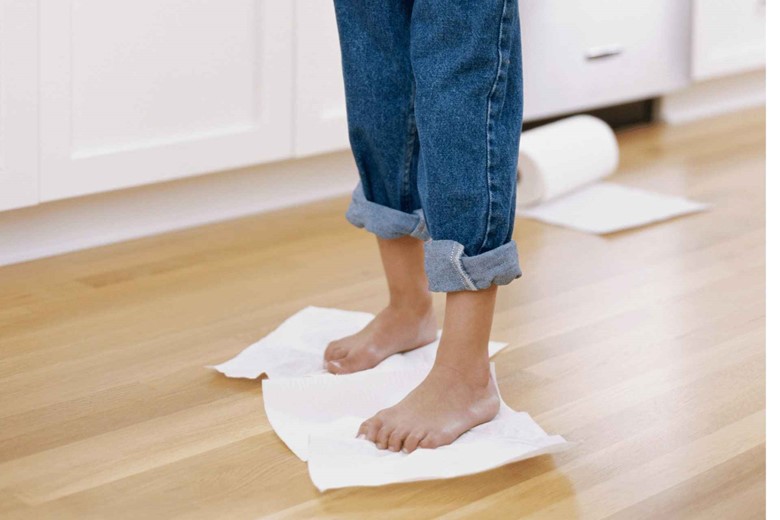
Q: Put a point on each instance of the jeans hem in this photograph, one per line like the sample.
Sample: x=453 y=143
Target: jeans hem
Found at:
x=383 y=221
x=450 y=270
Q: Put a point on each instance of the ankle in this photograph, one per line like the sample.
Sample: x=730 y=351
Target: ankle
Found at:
x=474 y=372
x=419 y=305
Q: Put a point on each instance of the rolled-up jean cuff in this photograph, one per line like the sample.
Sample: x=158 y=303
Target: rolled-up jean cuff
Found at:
x=383 y=221
x=450 y=270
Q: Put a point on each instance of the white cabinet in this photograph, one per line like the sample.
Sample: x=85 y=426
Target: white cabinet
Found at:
x=152 y=90
x=583 y=54
x=97 y=95
x=18 y=103
x=729 y=37
x=320 y=107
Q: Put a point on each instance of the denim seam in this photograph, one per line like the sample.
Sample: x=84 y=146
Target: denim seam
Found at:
x=457 y=252
x=489 y=123
x=406 y=196
x=421 y=229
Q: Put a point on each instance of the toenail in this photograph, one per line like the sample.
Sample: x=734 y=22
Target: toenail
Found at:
x=362 y=436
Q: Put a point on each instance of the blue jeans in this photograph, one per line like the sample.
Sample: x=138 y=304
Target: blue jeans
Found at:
x=435 y=107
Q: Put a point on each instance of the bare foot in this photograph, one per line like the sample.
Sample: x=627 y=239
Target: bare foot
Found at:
x=443 y=407
x=393 y=330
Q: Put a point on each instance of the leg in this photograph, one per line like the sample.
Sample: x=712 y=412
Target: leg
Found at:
x=466 y=61
x=406 y=323
x=467 y=67
x=374 y=36
x=379 y=87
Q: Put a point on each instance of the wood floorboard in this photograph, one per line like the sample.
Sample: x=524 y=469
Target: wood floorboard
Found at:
x=646 y=347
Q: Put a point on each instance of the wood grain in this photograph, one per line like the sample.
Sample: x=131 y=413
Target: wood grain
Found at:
x=646 y=347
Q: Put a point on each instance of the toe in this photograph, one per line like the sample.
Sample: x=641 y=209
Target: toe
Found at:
x=348 y=364
x=334 y=367
x=436 y=440
x=430 y=441
x=335 y=350
x=382 y=436
x=396 y=439
x=412 y=441
x=370 y=428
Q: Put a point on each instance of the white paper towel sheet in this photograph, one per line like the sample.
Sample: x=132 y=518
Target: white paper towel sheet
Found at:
x=297 y=346
x=606 y=208
x=318 y=418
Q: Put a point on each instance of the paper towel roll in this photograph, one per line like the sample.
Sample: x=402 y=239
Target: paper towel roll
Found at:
x=560 y=157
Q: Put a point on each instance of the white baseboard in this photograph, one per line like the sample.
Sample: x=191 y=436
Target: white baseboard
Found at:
x=713 y=97
x=69 y=225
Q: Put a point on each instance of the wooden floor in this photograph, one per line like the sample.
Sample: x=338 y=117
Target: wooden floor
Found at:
x=646 y=347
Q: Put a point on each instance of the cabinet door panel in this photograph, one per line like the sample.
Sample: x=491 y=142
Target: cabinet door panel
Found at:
x=152 y=90
x=321 y=114
x=729 y=36
x=18 y=103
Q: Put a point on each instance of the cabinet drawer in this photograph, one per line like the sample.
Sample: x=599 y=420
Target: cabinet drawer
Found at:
x=582 y=54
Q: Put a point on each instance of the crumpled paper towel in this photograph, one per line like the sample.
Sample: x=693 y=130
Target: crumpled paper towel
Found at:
x=317 y=414
x=318 y=417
